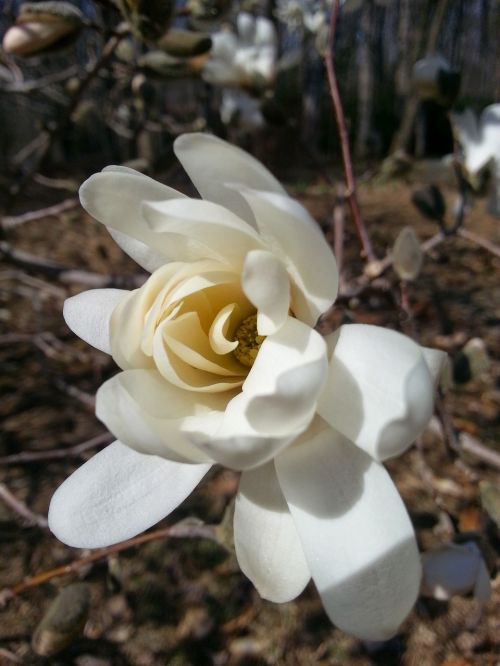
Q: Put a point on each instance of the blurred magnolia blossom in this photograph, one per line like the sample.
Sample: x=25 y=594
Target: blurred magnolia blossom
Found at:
x=455 y=569
x=480 y=143
x=241 y=61
x=239 y=108
x=299 y=14
x=221 y=364
x=245 y=58
x=40 y=26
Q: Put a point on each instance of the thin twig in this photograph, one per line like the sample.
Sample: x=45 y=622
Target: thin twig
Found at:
x=344 y=141
x=471 y=445
x=26 y=87
x=429 y=479
x=68 y=275
x=21 y=277
x=463 y=443
x=86 y=399
x=21 y=509
x=6 y=654
x=479 y=240
x=377 y=268
x=54 y=454
x=182 y=530
x=13 y=221
x=338 y=229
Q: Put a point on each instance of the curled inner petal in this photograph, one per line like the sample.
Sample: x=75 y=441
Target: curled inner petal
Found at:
x=183 y=322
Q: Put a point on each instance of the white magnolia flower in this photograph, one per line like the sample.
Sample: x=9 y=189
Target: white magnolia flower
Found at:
x=244 y=58
x=298 y=14
x=480 y=143
x=220 y=363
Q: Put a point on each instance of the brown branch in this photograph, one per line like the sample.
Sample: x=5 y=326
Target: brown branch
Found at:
x=29 y=517
x=54 y=454
x=338 y=229
x=184 y=529
x=344 y=141
x=13 y=221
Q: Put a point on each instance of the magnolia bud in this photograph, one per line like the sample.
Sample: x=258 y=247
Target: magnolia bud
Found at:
x=64 y=620
x=40 y=25
x=182 y=43
x=207 y=13
x=407 y=254
x=161 y=65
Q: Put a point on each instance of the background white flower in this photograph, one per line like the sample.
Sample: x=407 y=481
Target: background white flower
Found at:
x=246 y=57
x=307 y=419
x=480 y=143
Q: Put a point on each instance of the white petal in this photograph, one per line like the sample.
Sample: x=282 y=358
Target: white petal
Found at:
x=266 y=541
x=88 y=315
x=152 y=416
x=220 y=338
x=292 y=234
x=437 y=362
x=278 y=399
x=211 y=163
x=117 y=494
x=379 y=392
x=115 y=198
x=355 y=532
x=477 y=152
x=454 y=569
x=138 y=251
x=191 y=229
x=266 y=285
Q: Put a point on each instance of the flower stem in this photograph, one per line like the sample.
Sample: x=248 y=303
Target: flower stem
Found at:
x=344 y=142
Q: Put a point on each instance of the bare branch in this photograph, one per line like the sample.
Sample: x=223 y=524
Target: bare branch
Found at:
x=55 y=454
x=30 y=518
x=10 y=222
x=344 y=141
x=26 y=87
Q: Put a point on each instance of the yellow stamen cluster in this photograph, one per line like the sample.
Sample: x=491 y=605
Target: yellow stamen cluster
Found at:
x=249 y=341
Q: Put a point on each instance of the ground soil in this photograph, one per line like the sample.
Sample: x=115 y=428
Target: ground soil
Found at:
x=181 y=602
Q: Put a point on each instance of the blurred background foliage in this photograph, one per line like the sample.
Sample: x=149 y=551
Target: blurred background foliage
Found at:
x=157 y=79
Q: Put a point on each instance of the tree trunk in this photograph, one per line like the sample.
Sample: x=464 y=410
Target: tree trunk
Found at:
x=365 y=81
x=403 y=136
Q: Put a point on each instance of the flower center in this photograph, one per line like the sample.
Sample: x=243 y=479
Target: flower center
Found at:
x=249 y=341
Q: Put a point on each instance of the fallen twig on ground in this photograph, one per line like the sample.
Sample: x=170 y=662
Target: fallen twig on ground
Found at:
x=68 y=275
x=12 y=221
x=54 y=454
x=30 y=518
x=182 y=530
